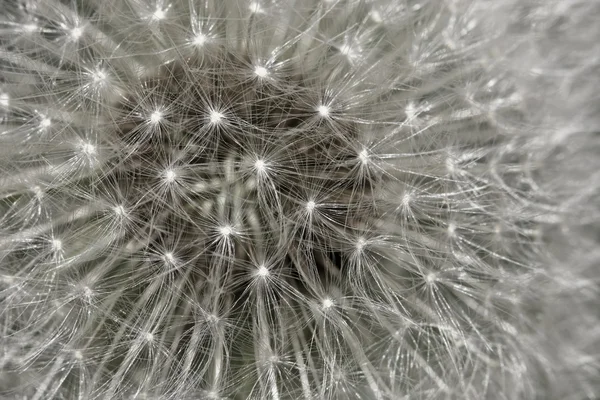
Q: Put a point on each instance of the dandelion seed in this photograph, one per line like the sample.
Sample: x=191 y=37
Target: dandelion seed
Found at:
x=170 y=176
x=39 y=193
x=410 y=111
x=323 y=111
x=260 y=166
x=212 y=395
x=216 y=117
x=310 y=206
x=76 y=33
x=200 y=39
x=46 y=122
x=463 y=258
x=255 y=8
x=376 y=16
x=262 y=271
x=30 y=28
x=430 y=278
x=159 y=14
x=119 y=210
x=156 y=117
x=226 y=230
x=498 y=229
x=78 y=355
x=212 y=318
x=406 y=199
x=451 y=229
x=99 y=76
x=87 y=293
x=4 y=99
x=169 y=258
x=364 y=156
x=327 y=303
x=148 y=337
x=89 y=149
x=451 y=165
x=346 y=50
x=360 y=243
x=56 y=244
x=261 y=72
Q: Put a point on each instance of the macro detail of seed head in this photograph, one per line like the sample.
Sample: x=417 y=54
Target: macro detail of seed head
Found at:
x=299 y=199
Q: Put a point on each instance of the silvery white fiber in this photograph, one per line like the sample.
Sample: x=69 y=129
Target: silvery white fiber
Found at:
x=299 y=199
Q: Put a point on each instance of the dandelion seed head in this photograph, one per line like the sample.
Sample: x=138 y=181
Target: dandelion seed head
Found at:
x=317 y=204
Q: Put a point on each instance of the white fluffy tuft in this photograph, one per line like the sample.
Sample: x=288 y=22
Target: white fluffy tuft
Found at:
x=299 y=199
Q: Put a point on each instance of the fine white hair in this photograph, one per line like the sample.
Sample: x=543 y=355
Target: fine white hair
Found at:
x=299 y=199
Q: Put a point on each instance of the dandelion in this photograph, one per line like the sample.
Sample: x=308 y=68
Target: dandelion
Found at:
x=321 y=199
x=261 y=72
